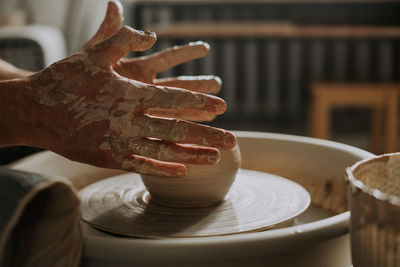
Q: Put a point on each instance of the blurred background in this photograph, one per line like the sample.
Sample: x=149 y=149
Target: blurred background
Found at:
x=270 y=54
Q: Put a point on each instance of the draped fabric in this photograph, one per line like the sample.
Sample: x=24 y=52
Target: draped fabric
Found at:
x=39 y=220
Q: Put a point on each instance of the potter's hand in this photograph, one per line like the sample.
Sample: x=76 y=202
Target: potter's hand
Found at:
x=146 y=68
x=82 y=109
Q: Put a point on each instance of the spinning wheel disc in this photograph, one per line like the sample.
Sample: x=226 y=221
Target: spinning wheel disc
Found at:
x=257 y=201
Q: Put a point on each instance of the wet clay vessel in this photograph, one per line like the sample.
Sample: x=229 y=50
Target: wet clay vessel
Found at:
x=204 y=185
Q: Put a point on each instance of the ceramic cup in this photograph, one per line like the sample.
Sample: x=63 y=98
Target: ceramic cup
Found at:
x=204 y=185
x=374 y=201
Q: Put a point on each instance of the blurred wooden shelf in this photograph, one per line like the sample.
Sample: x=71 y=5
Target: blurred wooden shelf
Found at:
x=267 y=29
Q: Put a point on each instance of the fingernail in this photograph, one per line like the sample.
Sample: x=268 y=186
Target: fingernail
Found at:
x=229 y=140
x=119 y=6
x=202 y=48
x=220 y=107
x=147 y=33
x=217 y=79
x=197 y=43
x=214 y=158
x=150 y=33
x=181 y=171
x=206 y=45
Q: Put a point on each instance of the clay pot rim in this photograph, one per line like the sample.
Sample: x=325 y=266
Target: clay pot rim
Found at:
x=360 y=185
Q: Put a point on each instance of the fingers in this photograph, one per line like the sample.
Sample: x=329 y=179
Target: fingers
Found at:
x=108 y=52
x=177 y=55
x=189 y=115
x=174 y=98
x=125 y=160
x=165 y=151
x=143 y=165
x=178 y=131
x=149 y=156
x=111 y=24
x=203 y=84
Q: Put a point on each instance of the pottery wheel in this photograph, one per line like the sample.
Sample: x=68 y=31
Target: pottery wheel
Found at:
x=257 y=201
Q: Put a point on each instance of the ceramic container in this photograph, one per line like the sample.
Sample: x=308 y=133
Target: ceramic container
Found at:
x=374 y=198
x=203 y=185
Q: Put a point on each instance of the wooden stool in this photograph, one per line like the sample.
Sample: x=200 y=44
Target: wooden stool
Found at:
x=382 y=97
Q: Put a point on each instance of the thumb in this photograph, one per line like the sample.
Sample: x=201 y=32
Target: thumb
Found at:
x=111 y=24
x=109 y=51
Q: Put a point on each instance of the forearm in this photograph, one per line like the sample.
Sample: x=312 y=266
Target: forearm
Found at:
x=14 y=114
x=8 y=71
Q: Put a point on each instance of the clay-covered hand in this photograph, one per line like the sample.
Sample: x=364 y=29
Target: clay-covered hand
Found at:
x=146 y=68
x=84 y=110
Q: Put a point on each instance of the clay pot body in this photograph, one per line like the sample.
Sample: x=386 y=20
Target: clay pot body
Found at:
x=204 y=185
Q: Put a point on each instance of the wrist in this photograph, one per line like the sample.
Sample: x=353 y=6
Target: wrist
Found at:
x=14 y=112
